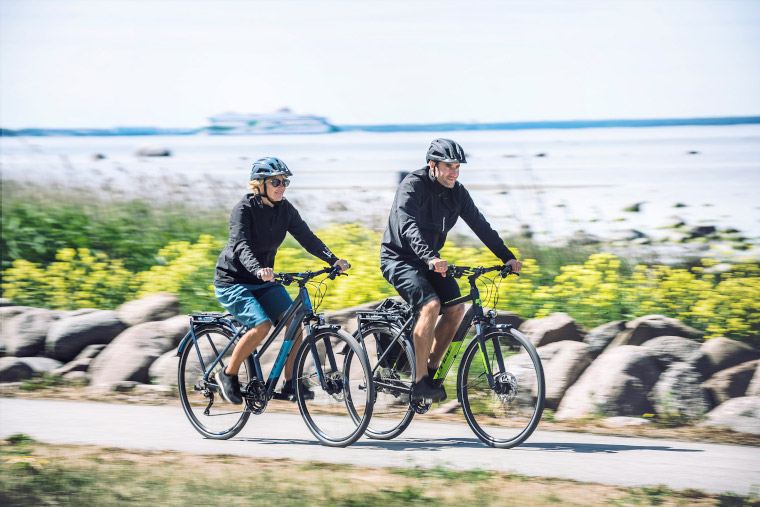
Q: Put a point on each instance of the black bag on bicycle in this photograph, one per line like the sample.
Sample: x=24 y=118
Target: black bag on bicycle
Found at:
x=385 y=341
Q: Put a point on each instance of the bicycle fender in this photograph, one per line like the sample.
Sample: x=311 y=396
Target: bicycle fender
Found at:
x=182 y=344
x=325 y=327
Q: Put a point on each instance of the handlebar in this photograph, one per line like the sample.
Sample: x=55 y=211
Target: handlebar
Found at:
x=458 y=271
x=305 y=276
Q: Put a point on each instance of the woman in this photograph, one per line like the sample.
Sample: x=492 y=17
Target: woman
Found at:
x=244 y=280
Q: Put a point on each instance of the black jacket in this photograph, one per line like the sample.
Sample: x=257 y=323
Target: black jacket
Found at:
x=256 y=231
x=423 y=213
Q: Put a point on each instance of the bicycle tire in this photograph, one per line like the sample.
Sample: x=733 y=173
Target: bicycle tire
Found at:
x=327 y=413
x=223 y=420
x=502 y=420
x=391 y=409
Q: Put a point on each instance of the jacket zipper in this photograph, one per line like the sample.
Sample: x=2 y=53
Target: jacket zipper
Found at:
x=443 y=229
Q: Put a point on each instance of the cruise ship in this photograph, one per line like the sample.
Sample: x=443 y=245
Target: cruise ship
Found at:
x=283 y=121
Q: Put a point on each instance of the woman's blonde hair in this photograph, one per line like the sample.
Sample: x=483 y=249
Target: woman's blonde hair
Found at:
x=255 y=185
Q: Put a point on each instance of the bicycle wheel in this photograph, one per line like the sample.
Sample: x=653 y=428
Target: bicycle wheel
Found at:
x=505 y=415
x=392 y=378
x=208 y=412
x=348 y=383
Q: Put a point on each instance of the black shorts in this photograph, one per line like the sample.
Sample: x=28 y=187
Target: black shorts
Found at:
x=418 y=285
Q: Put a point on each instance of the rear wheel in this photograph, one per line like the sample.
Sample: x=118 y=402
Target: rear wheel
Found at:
x=204 y=406
x=393 y=375
x=506 y=414
x=347 y=383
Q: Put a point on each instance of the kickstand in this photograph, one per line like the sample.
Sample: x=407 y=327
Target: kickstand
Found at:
x=210 y=402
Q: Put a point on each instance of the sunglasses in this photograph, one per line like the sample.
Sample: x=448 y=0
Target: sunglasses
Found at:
x=276 y=183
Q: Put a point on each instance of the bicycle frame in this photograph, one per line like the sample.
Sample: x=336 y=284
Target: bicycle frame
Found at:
x=473 y=315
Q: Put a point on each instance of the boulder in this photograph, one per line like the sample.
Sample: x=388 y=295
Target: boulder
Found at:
x=70 y=335
x=6 y=314
x=176 y=328
x=623 y=421
x=583 y=238
x=723 y=353
x=702 y=231
x=554 y=328
x=82 y=361
x=547 y=352
x=13 y=369
x=346 y=318
x=754 y=385
x=647 y=327
x=163 y=371
x=598 y=338
x=152 y=151
x=509 y=318
x=570 y=360
x=148 y=309
x=81 y=311
x=130 y=355
x=24 y=334
x=738 y=414
x=731 y=382
x=675 y=349
x=617 y=383
x=679 y=391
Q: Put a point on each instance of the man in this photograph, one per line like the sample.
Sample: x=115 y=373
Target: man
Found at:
x=428 y=203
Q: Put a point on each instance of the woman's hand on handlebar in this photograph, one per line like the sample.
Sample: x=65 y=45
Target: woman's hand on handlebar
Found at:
x=266 y=274
x=342 y=264
x=515 y=265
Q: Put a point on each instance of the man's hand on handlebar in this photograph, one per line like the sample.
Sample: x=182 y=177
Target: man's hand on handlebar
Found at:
x=266 y=274
x=439 y=266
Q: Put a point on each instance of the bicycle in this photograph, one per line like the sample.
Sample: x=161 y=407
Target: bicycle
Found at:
x=500 y=381
x=208 y=346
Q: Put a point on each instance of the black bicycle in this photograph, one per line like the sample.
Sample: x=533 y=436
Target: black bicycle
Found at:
x=500 y=381
x=331 y=371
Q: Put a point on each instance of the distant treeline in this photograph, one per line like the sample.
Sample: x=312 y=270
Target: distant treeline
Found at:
x=416 y=127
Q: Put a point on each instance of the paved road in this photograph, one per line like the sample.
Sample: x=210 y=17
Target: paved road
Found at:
x=585 y=457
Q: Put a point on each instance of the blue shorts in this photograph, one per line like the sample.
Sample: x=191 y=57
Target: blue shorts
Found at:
x=254 y=304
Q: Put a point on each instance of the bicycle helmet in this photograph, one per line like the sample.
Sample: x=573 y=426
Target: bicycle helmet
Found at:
x=269 y=166
x=446 y=150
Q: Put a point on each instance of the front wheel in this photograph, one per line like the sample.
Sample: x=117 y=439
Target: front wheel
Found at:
x=334 y=387
x=505 y=414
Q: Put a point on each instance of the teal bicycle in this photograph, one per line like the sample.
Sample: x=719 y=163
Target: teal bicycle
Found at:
x=334 y=387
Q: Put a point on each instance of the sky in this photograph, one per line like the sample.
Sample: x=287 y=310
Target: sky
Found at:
x=174 y=63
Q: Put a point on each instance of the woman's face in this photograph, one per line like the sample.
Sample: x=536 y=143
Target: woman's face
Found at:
x=275 y=193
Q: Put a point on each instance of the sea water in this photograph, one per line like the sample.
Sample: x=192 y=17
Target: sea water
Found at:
x=554 y=182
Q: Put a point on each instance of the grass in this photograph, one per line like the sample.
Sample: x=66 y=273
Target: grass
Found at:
x=38 y=221
x=42 y=474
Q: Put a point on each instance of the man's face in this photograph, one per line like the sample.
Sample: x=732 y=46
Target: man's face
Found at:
x=445 y=172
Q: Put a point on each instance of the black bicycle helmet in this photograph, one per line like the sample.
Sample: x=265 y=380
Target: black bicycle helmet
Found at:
x=446 y=150
x=269 y=166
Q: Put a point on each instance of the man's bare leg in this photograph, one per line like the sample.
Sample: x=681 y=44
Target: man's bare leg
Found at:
x=444 y=333
x=423 y=336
